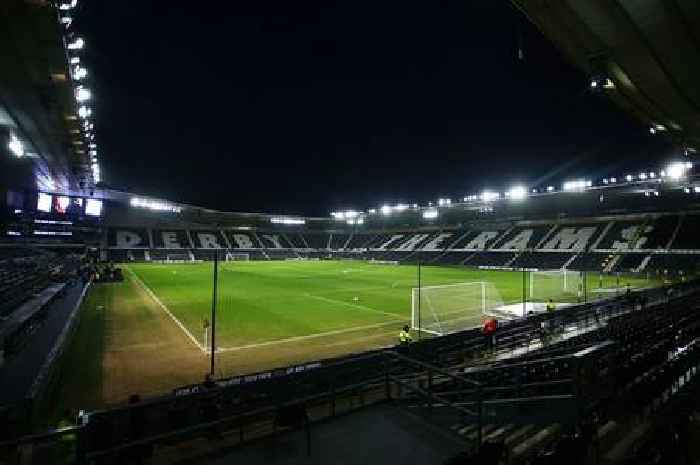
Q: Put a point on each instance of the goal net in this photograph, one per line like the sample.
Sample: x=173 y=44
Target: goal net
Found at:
x=178 y=257
x=237 y=257
x=558 y=285
x=453 y=307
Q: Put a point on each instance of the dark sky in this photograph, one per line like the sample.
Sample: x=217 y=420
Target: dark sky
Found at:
x=305 y=107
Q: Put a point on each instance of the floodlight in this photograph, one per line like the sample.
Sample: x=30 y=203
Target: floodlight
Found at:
x=68 y=5
x=517 y=193
x=430 y=214
x=351 y=214
x=444 y=202
x=629 y=178
x=84 y=112
x=613 y=180
x=488 y=196
x=79 y=73
x=287 y=221
x=401 y=207
x=652 y=175
x=652 y=130
x=594 y=84
x=77 y=44
x=578 y=185
x=15 y=145
x=696 y=189
x=386 y=210
x=372 y=211
x=550 y=188
x=642 y=176
x=83 y=95
x=605 y=180
x=676 y=170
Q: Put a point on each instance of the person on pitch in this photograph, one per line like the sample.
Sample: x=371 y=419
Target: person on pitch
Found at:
x=405 y=336
x=489 y=332
x=551 y=306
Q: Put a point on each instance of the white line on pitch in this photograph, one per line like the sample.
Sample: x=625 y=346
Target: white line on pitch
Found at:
x=308 y=336
x=358 y=306
x=165 y=309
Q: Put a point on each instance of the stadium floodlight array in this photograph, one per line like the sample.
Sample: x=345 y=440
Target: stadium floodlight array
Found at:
x=517 y=193
x=675 y=171
x=289 y=221
x=79 y=73
x=68 y=5
x=351 y=217
x=449 y=308
x=155 y=205
x=578 y=185
x=488 y=196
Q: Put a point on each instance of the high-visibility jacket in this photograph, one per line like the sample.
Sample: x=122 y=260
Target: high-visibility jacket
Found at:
x=404 y=336
x=550 y=307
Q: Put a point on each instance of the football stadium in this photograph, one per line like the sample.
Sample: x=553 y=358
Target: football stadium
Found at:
x=549 y=321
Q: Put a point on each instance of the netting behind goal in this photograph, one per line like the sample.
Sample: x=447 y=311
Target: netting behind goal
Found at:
x=237 y=257
x=453 y=307
x=558 y=285
x=178 y=257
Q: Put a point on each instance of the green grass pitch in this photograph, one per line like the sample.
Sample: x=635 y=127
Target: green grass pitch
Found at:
x=263 y=302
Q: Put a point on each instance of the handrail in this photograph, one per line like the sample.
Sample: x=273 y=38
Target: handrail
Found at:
x=431 y=395
x=431 y=367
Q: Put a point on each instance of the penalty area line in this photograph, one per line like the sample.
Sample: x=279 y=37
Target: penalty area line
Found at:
x=155 y=298
x=306 y=337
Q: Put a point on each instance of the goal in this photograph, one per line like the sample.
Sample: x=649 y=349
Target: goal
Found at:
x=558 y=285
x=178 y=258
x=237 y=257
x=453 y=307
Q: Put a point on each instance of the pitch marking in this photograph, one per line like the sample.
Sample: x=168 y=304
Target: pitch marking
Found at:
x=166 y=310
x=358 y=306
x=308 y=336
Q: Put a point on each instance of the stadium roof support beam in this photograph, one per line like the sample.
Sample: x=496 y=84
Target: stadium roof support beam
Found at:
x=651 y=52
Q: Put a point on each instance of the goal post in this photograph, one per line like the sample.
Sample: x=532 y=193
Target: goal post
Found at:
x=449 y=308
x=558 y=285
x=237 y=257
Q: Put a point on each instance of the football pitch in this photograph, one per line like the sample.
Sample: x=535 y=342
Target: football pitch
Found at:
x=264 y=303
x=146 y=335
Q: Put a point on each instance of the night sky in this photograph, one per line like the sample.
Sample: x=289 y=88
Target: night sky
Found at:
x=305 y=107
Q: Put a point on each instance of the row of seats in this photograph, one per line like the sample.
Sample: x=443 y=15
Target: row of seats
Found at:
x=671 y=231
x=20 y=278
